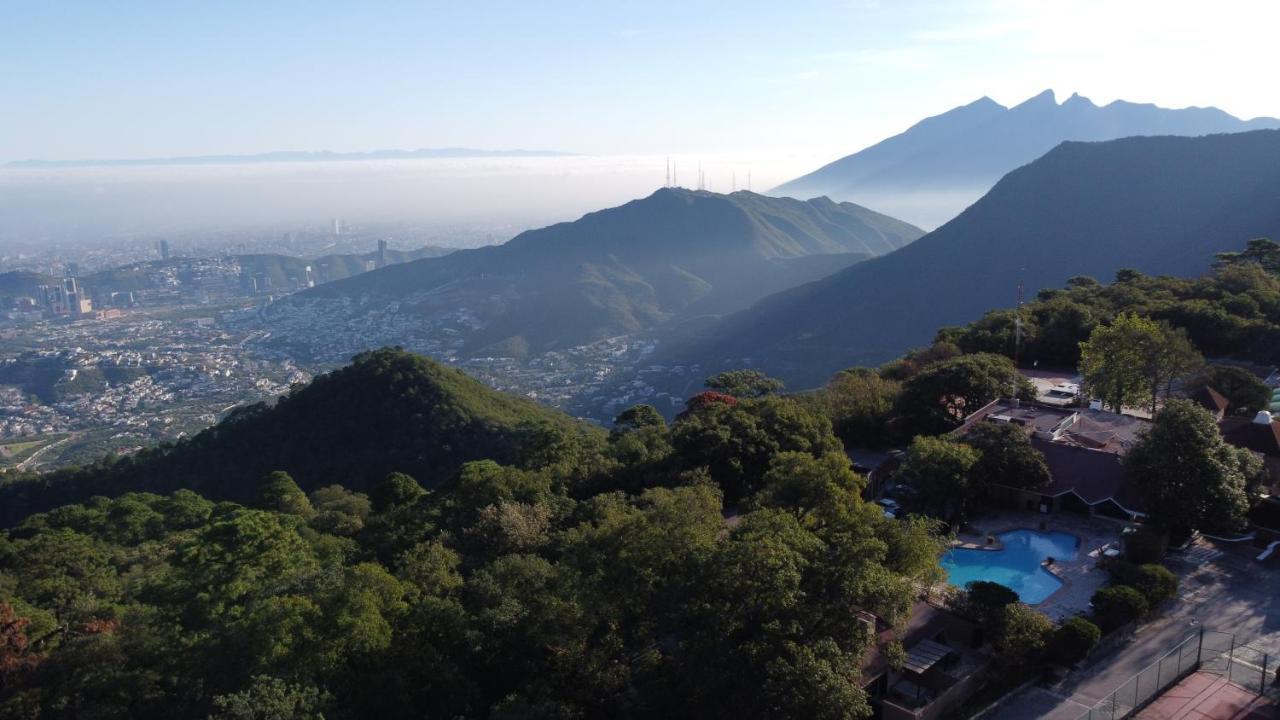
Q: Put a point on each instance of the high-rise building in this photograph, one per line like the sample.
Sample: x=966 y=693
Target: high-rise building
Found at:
x=163 y=248
x=382 y=253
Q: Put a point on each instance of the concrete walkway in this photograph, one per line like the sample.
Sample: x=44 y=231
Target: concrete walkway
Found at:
x=1203 y=696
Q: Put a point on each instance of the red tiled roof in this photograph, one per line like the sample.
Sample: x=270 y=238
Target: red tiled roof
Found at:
x=1211 y=400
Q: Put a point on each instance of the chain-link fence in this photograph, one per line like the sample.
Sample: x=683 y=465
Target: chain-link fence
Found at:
x=1248 y=666
x=1209 y=651
x=1138 y=690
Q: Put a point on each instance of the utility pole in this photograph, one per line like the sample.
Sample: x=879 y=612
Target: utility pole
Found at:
x=1017 y=327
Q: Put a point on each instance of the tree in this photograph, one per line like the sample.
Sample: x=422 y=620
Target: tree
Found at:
x=1156 y=582
x=1261 y=251
x=860 y=405
x=1023 y=633
x=1008 y=458
x=1244 y=391
x=818 y=490
x=339 y=511
x=736 y=442
x=1135 y=360
x=15 y=651
x=271 y=698
x=396 y=490
x=744 y=384
x=280 y=493
x=918 y=359
x=1188 y=476
x=1115 y=360
x=945 y=393
x=1072 y=641
x=1115 y=605
x=984 y=601
x=1172 y=358
x=937 y=474
x=638 y=417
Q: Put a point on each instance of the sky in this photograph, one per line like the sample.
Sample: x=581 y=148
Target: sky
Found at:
x=801 y=79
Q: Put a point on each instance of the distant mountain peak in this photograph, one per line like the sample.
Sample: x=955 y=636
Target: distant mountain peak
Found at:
x=1078 y=99
x=930 y=172
x=1157 y=204
x=1045 y=99
x=986 y=102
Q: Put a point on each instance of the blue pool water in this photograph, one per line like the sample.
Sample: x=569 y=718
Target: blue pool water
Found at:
x=1017 y=566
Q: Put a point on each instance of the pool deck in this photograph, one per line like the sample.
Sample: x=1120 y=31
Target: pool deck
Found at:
x=1080 y=577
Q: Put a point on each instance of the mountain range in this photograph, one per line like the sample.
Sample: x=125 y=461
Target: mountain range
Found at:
x=940 y=165
x=675 y=255
x=1160 y=205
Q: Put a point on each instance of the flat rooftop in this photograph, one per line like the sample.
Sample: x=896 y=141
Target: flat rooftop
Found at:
x=1082 y=427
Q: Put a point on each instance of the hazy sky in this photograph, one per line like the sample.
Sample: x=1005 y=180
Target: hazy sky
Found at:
x=819 y=78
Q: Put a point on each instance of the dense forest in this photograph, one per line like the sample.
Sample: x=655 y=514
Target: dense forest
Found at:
x=398 y=540
x=1221 y=320
x=711 y=568
x=1233 y=312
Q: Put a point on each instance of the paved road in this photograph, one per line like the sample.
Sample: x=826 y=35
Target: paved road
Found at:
x=30 y=463
x=1227 y=593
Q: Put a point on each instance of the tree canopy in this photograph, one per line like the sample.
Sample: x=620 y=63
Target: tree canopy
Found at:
x=1189 y=477
x=1134 y=360
x=609 y=579
x=944 y=393
x=744 y=384
x=1244 y=391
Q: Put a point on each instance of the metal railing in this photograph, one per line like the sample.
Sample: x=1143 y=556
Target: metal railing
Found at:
x=1208 y=651
x=1140 y=689
x=1248 y=666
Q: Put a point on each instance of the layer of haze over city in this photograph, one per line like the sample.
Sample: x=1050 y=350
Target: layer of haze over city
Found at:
x=751 y=93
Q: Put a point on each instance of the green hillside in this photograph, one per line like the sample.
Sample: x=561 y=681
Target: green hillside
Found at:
x=387 y=411
x=674 y=254
x=507 y=593
x=1160 y=205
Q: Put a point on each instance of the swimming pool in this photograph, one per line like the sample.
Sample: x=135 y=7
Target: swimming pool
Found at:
x=1017 y=566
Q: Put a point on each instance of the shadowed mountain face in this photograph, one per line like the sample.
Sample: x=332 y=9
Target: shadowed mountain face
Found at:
x=674 y=255
x=1161 y=205
x=940 y=165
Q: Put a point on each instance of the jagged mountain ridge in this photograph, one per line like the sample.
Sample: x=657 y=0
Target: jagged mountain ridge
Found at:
x=1161 y=205
x=931 y=171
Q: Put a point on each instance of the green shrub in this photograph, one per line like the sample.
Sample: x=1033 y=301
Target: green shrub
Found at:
x=1156 y=583
x=1072 y=641
x=1119 y=604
